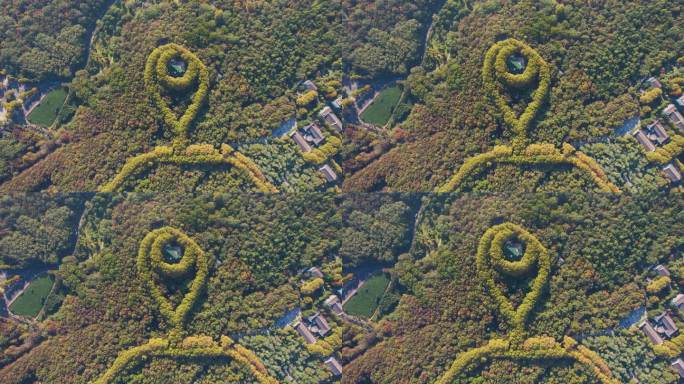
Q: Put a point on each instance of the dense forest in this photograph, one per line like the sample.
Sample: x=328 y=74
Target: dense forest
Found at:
x=258 y=245
x=258 y=53
x=255 y=53
x=598 y=53
x=44 y=40
x=341 y=191
x=598 y=277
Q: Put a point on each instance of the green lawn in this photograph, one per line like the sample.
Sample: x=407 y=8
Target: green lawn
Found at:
x=31 y=300
x=380 y=111
x=368 y=297
x=46 y=112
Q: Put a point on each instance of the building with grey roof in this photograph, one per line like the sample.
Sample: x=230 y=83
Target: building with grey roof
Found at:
x=678 y=301
x=309 y=85
x=333 y=302
x=656 y=132
x=312 y=134
x=674 y=116
x=328 y=173
x=678 y=365
x=654 y=82
x=672 y=173
x=645 y=142
x=334 y=366
x=661 y=270
x=301 y=141
x=322 y=325
x=331 y=118
x=665 y=325
x=305 y=333
x=650 y=332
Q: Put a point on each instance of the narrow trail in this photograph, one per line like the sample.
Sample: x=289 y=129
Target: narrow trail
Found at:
x=416 y=221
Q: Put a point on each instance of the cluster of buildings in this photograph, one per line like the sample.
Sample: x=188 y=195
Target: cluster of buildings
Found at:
x=655 y=135
x=311 y=136
x=659 y=328
x=662 y=327
x=308 y=137
x=316 y=325
x=326 y=113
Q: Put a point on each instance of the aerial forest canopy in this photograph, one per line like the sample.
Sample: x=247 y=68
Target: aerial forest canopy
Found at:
x=262 y=58
x=214 y=277
x=341 y=191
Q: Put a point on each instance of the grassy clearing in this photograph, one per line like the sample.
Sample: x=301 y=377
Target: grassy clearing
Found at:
x=32 y=299
x=46 y=112
x=368 y=297
x=380 y=111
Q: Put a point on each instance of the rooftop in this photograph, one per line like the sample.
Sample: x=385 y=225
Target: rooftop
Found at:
x=299 y=139
x=654 y=82
x=310 y=85
x=661 y=270
x=645 y=142
x=679 y=366
x=672 y=173
x=678 y=300
x=312 y=133
x=656 y=132
x=649 y=331
x=666 y=325
x=334 y=366
x=328 y=173
x=315 y=272
x=305 y=333
x=322 y=324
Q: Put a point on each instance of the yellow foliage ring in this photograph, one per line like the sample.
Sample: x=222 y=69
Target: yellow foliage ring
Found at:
x=177 y=83
x=519 y=268
x=187 y=262
x=490 y=259
x=495 y=76
x=158 y=80
x=152 y=270
x=522 y=80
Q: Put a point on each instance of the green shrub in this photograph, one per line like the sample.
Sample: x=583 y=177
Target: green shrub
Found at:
x=310 y=287
x=650 y=96
x=307 y=98
x=658 y=285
